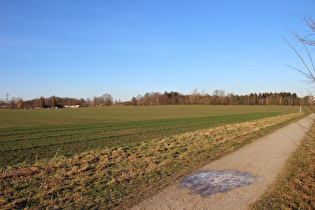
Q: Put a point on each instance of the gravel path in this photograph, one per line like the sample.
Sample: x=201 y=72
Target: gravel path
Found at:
x=236 y=180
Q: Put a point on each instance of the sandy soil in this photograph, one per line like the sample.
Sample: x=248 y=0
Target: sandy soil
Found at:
x=221 y=185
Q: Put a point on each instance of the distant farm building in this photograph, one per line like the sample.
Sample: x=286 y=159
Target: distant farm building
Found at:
x=72 y=106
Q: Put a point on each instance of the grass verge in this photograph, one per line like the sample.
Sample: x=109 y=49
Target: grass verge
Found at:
x=121 y=177
x=295 y=186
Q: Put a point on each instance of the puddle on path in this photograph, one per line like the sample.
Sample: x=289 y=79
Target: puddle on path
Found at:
x=207 y=183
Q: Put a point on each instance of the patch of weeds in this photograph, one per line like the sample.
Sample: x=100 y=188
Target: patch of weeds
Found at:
x=295 y=186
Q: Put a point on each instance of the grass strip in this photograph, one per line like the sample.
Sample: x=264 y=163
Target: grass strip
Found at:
x=295 y=186
x=119 y=177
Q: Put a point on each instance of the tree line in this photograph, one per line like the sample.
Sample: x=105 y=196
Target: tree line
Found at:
x=218 y=97
x=56 y=102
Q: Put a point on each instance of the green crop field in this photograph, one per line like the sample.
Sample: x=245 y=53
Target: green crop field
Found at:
x=27 y=136
x=114 y=157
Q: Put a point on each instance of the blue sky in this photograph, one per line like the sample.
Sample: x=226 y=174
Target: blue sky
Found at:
x=81 y=49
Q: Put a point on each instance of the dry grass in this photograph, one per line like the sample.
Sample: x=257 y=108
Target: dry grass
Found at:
x=120 y=177
x=295 y=186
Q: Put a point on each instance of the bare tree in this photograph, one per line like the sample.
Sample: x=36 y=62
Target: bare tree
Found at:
x=88 y=102
x=307 y=38
x=194 y=96
x=52 y=101
x=108 y=99
x=13 y=103
x=134 y=101
x=308 y=43
x=42 y=102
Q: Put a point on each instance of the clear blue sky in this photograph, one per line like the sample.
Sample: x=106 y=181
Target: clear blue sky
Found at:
x=81 y=49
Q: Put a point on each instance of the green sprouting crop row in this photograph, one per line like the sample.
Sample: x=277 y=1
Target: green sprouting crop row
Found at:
x=34 y=138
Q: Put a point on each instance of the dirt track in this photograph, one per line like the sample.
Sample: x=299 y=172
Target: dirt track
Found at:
x=236 y=180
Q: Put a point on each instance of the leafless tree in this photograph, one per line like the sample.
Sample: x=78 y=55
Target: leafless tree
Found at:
x=108 y=99
x=308 y=42
x=52 y=101
x=42 y=102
